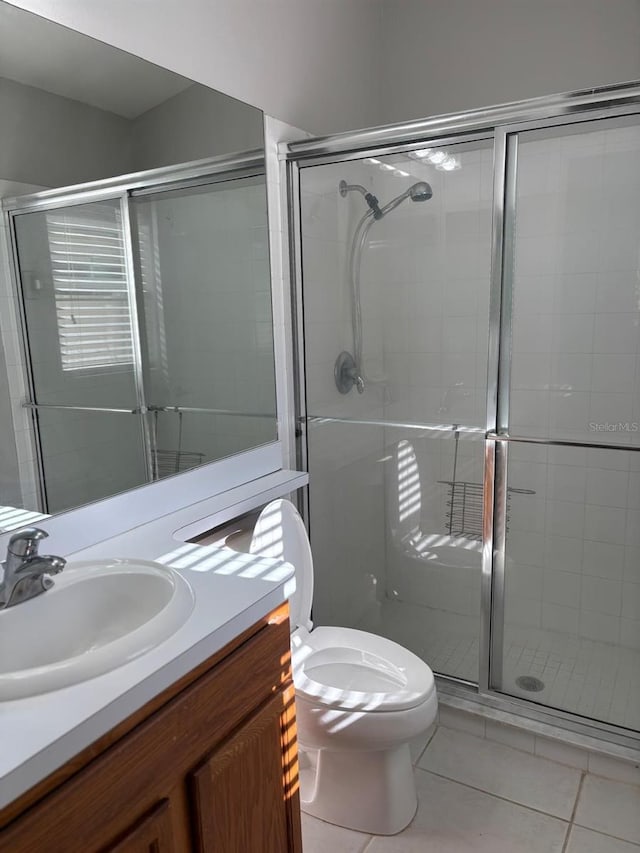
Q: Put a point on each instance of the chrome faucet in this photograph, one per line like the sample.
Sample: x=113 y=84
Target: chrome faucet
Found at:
x=26 y=573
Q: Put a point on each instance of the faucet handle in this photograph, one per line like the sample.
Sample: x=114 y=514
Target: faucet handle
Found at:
x=25 y=542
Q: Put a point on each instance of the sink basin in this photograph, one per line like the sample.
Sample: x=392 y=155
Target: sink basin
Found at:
x=97 y=616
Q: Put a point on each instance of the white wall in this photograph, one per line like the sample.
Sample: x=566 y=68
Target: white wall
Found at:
x=311 y=63
x=53 y=141
x=439 y=57
x=192 y=125
x=276 y=131
x=329 y=65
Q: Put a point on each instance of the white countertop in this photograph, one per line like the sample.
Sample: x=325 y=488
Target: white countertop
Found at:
x=232 y=592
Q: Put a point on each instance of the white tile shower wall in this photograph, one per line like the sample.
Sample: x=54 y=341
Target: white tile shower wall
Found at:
x=576 y=309
x=432 y=266
x=345 y=461
x=574 y=546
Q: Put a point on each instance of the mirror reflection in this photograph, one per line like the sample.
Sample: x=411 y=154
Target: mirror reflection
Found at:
x=136 y=309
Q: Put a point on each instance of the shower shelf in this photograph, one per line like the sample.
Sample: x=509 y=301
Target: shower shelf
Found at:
x=465 y=506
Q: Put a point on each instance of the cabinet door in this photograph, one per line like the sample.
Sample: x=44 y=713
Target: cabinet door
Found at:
x=152 y=834
x=245 y=795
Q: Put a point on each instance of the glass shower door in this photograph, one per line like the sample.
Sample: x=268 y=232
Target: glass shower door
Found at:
x=396 y=469
x=203 y=264
x=568 y=635
x=80 y=337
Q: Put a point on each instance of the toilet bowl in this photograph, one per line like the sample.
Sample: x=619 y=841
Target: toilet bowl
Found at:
x=360 y=699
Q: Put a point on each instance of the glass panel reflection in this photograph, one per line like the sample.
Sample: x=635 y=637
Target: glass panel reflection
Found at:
x=395 y=532
x=576 y=317
x=76 y=300
x=396 y=269
x=87 y=456
x=203 y=261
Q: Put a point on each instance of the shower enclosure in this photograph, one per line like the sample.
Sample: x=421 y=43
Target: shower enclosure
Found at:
x=469 y=397
x=146 y=325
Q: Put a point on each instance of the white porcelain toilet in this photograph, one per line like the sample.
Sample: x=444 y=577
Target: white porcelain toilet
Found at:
x=360 y=699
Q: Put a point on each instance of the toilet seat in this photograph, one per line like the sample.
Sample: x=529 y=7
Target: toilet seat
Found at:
x=337 y=667
x=349 y=669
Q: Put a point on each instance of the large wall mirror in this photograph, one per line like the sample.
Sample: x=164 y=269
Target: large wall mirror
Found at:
x=134 y=272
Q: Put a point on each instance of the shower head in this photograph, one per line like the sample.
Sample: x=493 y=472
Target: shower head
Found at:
x=420 y=191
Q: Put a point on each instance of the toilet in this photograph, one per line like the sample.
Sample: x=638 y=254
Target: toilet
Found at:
x=360 y=700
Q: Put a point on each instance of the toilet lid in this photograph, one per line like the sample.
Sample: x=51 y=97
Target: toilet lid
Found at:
x=280 y=533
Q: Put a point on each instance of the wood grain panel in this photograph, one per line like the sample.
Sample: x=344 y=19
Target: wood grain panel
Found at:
x=291 y=770
x=239 y=793
x=152 y=834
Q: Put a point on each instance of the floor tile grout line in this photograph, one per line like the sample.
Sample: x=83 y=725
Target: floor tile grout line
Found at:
x=607 y=834
x=583 y=776
x=534 y=754
x=497 y=796
x=427 y=744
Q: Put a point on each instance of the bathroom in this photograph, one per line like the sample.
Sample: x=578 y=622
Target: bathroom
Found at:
x=472 y=485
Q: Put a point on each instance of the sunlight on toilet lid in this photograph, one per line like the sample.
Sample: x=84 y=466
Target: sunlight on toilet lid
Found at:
x=353 y=676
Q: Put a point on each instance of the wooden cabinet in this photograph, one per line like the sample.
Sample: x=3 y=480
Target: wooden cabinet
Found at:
x=152 y=834
x=209 y=766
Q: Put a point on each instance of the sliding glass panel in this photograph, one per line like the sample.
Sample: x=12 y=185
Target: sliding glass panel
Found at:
x=576 y=317
x=396 y=536
x=203 y=260
x=572 y=581
x=396 y=262
x=87 y=456
x=76 y=299
x=396 y=256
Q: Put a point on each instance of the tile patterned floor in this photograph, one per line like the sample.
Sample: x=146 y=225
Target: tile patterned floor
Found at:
x=475 y=795
x=593 y=679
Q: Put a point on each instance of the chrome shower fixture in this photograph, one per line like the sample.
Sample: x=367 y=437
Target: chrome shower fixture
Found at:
x=371 y=200
x=348 y=369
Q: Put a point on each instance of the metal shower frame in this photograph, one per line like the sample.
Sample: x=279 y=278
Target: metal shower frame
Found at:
x=501 y=126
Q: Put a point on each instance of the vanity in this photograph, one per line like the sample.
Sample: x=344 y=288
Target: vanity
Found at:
x=190 y=745
x=209 y=765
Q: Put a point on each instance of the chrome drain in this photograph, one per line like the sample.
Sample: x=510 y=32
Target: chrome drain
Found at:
x=529 y=683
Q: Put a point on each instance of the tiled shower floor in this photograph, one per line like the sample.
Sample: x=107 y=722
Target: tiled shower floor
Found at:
x=594 y=679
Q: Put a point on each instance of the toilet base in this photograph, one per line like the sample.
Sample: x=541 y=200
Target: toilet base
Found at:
x=372 y=792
